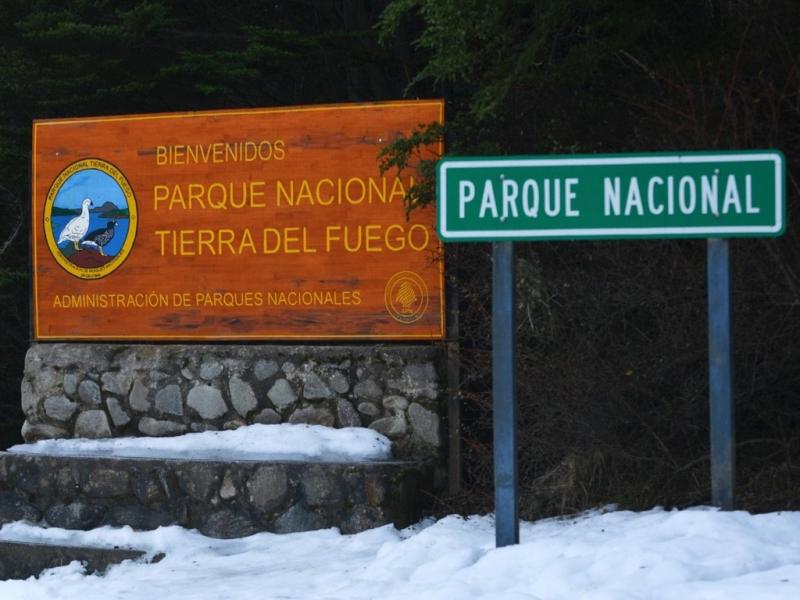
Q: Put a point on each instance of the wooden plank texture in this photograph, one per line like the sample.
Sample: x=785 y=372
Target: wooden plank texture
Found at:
x=244 y=224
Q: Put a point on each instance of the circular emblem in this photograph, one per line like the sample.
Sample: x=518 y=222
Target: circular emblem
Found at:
x=90 y=218
x=406 y=297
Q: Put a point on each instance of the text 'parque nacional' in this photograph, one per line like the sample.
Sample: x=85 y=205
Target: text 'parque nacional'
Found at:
x=243 y=224
x=689 y=195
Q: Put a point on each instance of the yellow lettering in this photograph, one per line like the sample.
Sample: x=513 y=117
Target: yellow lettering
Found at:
x=357 y=246
x=372 y=237
x=177 y=197
x=243 y=199
x=397 y=190
x=262 y=154
x=225 y=237
x=380 y=192
x=205 y=239
x=395 y=243
x=230 y=152
x=256 y=193
x=281 y=190
x=304 y=193
x=306 y=248
x=186 y=242
x=267 y=233
x=247 y=242
x=330 y=237
x=161 y=233
x=347 y=190
x=289 y=238
x=205 y=153
x=425 y=237
x=221 y=203
x=179 y=155
x=196 y=193
x=324 y=201
x=160 y=193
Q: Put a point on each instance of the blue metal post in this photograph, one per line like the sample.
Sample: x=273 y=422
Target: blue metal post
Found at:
x=720 y=375
x=504 y=390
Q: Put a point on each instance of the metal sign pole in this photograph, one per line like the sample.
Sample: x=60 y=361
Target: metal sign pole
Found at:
x=720 y=375
x=504 y=390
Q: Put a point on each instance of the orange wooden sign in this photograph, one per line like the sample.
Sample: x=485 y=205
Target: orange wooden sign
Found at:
x=270 y=223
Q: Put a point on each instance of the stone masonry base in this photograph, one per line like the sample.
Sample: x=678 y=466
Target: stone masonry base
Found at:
x=221 y=499
x=109 y=390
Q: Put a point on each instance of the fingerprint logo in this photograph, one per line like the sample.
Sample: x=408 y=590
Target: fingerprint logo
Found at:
x=406 y=297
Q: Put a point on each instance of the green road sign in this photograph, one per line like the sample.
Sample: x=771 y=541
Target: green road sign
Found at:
x=704 y=195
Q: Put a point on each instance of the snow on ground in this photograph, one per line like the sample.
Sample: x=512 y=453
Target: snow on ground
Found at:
x=252 y=442
x=692 y=554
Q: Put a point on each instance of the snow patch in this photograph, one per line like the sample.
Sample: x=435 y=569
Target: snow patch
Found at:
x=653 y=555
x=284 y=442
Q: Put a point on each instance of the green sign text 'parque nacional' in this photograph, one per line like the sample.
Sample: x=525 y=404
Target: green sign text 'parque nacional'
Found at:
x=704 y=194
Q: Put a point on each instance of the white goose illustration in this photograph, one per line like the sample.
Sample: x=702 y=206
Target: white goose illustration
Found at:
x=77 y=227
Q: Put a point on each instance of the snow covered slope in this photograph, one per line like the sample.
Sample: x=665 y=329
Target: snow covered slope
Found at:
x=655 y=555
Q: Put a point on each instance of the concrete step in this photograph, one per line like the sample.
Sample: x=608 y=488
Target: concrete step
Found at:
x=20 y=560
x=223 y=499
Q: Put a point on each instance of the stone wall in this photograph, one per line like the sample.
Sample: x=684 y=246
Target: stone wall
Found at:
x=108 y=390
x=220 y=498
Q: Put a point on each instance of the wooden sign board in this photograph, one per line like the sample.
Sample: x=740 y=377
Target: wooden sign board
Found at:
x=270 y=223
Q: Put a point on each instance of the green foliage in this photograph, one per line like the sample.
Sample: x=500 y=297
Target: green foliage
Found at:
x=10 y=277
x=406 y=152
x=517 y=72
x=503 y=48
x=612 y=335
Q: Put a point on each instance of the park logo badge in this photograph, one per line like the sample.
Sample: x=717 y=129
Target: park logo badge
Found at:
x=406 y=297
x=90 y=218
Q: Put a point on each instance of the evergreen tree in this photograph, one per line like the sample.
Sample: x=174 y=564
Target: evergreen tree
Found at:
x=101 y=57
x=612 y=336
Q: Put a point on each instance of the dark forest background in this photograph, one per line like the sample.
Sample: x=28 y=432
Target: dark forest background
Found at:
x=612 y=355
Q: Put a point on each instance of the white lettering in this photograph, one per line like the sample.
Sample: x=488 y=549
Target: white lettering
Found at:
x=612 y=198
x=510 y=192
x=687 y=200
x=634 y=198
x=748 y=194
x=552 y=209
x=466 y=193
x=670 y=195
x=709 y=195
x=488 y=201
x=651 y=195
x=569 y=196
x=731 y=196
x=528 y=187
